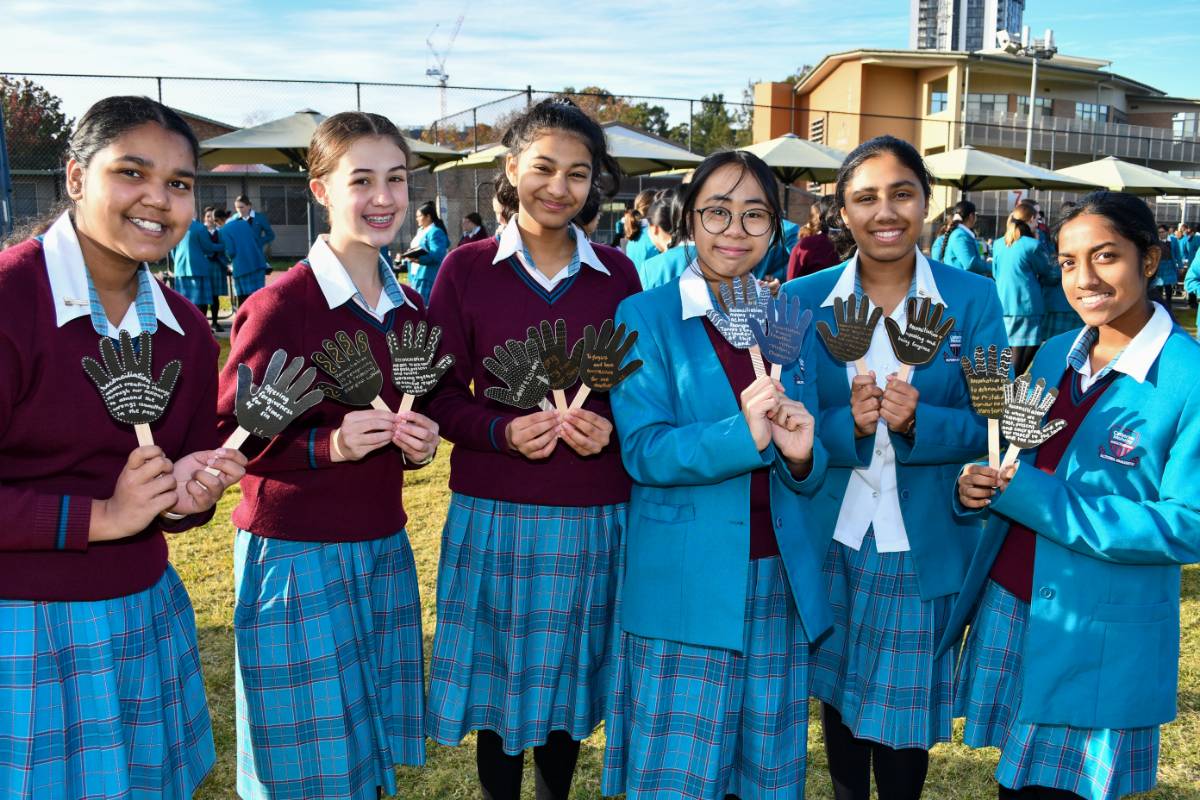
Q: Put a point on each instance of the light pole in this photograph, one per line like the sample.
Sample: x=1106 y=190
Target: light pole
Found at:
x=1036 y=51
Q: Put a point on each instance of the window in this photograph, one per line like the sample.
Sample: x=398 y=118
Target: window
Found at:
x=284 y=204
x=25 y=204
x=816 y=131
x=1091 y=111
x=987 y=106
x=211 y=194
x=1044 y=106
x=1186 y=125
x=939 y=95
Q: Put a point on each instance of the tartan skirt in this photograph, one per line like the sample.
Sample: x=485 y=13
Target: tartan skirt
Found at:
x=877 y=668
x=249 y=283
x=700 y=722
x=526 y=597
x=330 y=672
x=1097 y=764
x=198 y=289
x=103 y=700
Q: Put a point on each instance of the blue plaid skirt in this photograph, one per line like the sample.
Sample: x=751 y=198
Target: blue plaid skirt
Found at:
x=526 y=602
x=330 y=672
x=249 y=283
x=103 y=700
x=198 y=289
x=702 y=722
x=877 y=667
x=1097 y=764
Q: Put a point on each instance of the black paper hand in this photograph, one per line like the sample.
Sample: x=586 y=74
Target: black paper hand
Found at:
x=352 y=365
x=126 y=383
x=854 y=329
x=987 y=380
x=413 y=370
x=520 y=367
x=1024 y=409
x=920 y=341
x=744 y=300
x=266 y=409
x=603 y=353
x=783 y=340
x=562 y=364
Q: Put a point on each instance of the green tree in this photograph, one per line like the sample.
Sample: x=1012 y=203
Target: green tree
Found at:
x=716 y=124
x=36 y=129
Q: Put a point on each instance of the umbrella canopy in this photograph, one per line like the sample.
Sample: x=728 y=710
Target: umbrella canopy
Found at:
x=972 y=170
x=1121 y=176
x=286 y=140
x=638 y=152
x=792 y=158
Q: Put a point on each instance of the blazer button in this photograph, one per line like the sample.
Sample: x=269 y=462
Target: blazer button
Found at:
x=779 y=522
x=904 y=494
x=1046 y=593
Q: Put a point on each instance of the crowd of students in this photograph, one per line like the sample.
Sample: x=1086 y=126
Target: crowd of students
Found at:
x=688 y=558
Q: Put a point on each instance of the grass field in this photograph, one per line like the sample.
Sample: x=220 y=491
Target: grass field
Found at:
x=204 y=559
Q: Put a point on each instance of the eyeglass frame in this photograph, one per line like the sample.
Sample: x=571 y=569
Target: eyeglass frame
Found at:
x=741 y=218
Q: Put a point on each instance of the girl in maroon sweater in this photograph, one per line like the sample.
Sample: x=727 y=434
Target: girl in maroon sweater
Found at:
x=327 y=622
x=527 y=581
x=100 y=678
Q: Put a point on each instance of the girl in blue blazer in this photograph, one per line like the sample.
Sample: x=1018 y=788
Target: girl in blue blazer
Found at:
x=193 y=267
x=244 y=250
x=896 y=554
x=432 y=238
x=1071 y=663
x=1020 y=266
x=957 y=245
x=720 y=597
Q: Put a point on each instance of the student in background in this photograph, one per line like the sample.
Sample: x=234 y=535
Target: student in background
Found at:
x=193 y=265
x=958 y=245
x=639 y=246
x=1072 y=658
x=814 y=250
x=432 y=238
x=258 y=222
x=661 y=221
x=773 y=267
x=218 y=264
x=472 y=229
x=1020 y=267
x=243 y=248
x=1162 y=288
x=1059 y=316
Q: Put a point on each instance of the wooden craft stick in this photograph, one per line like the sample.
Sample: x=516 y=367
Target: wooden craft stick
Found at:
x=1010 y=457
x=406 y=402
x=580 y=396
x=860 y=367
x=560 y=400
x=144 y=436
x=379 y=405
x=234 y=442
x=756 y=358
x=777 y=371
x=905 y=372
x=994 y=444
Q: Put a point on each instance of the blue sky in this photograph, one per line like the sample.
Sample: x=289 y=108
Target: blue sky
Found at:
x=665 y=47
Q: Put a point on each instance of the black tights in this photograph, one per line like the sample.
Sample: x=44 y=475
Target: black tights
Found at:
x=899 y=774
x=215 y=308
x=1035 y=793
x=500 y=773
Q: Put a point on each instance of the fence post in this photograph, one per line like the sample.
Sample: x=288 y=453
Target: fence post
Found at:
x=528 y=95
x=357 y=96
x=159 y=81
x=691 y=122
x=6 y=206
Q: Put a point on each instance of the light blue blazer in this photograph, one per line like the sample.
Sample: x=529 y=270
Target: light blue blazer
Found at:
x=436 y=244
x=191 y=255
x=243 y=247
x=666 y=267
x=774 y=263
x=1101 y=647
x=690 y=453
x=262 y=229
x=641 y=250
x=962 y=251
x=948 y=432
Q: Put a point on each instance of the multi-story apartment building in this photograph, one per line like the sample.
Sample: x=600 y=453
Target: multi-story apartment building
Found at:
x=967 y=25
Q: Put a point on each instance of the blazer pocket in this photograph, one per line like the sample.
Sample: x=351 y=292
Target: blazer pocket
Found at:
x=667 y=512
x=1134 y=612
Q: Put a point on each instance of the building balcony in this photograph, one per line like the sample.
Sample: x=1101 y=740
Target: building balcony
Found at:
x=1064 y=140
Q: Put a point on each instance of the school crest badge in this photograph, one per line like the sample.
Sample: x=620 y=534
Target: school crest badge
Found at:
x=1121 y=444
x=953 y=351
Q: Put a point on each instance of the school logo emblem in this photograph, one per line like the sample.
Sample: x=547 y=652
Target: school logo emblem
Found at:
x=1121 y=442
x=954 y=340
x=798 y=375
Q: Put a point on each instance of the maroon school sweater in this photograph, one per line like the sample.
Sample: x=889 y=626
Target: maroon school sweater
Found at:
x=60 y=449
x=481 y=305
x=739 y=369
x=1013 y=567
x=292 y=490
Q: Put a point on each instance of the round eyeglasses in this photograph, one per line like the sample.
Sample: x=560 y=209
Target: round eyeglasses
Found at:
x=717 y=219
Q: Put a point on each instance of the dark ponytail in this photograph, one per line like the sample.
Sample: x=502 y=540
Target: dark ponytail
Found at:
x=429 y=209
x=904 y=152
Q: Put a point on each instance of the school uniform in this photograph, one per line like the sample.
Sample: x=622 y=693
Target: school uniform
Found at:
x=261 y=226
x=775 y=263
x=478 y=234
x=218 y=261
x=962 y=251
x=811 y=254
x=193 y=267
x=1073 y=593
x=938 y=250
x=423 y=270
x=895 y=559
x=719 y=600
x=243 y=247
x=100 y=677
x=667 y=266
x=327 y=616
x=1167 y=276
x=527 y=579
x=640 y=251
x=1191 y=280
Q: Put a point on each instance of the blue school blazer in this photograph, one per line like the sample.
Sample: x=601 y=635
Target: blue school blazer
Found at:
x=191 y=255
x=1102 y=643
x=948 y=432
x=243 y=247
x=774 y=263
x=1020 y=270
x=262 y=229
x=962 y=251
x=666 y=267
x=436 y=244
x=689 y=450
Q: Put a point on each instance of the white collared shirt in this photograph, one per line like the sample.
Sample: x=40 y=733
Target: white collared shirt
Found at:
x=1138 y=356
x=872 y=496
x=338 y=288
x=69 y=283
x=694 y=296
x=511 y=244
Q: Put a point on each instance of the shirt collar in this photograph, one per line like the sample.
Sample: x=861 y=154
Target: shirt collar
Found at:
x=69 y=278
x=510 y=243
x=336 y=284
x=694 y=296
x=1138 y=356
x=923 y=282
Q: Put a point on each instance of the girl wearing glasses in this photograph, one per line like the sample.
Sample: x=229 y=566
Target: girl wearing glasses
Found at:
x=718 y=602
x=898 y=554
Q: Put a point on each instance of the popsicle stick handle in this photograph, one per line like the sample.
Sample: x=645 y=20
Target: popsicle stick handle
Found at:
x=144 y=436
x=756 y=358
x=994 y=444
x=560 y=400
x=379 y=405
x=406 y=402
x=905 y=372
x=777 y=371
x=860 y=367
x=234 y=442
x=580 y=396
x=1010 y=457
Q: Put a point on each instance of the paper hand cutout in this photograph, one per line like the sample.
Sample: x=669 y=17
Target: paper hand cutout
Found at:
x=744 y=299
x=987 y=380
x=352 y=365
x=854 y=328
x=266 y=409
x=1024 y=409
x=922 y=338
x=126 y=384
x=413 y=370
x=603 y=353
x=520 y=367
x=787 y=323
x=562 y=365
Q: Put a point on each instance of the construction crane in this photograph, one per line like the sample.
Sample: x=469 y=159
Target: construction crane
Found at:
x=438 y=71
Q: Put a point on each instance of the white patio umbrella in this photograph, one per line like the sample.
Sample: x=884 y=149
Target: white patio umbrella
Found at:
x=792 y=158
x=971 y=170
x=1122 y=176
